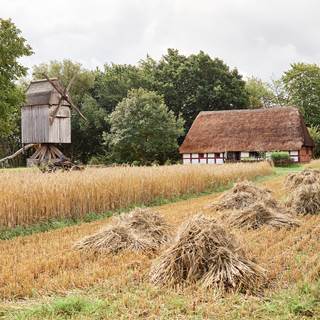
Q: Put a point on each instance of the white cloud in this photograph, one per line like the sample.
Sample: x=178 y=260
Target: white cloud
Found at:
x=259 y=37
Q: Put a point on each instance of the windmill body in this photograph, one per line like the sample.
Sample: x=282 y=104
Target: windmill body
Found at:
x=40 y=123
x=46 y=120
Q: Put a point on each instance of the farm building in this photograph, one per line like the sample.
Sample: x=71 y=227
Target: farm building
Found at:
x=234 y=135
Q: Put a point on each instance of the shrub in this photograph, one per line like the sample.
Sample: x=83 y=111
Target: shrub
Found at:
x=281 y=158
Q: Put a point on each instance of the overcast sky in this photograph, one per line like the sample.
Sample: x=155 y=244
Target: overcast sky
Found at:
x=259 y=37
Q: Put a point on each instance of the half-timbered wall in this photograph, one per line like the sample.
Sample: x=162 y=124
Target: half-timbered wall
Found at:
x=303 y=155
x=203 y=158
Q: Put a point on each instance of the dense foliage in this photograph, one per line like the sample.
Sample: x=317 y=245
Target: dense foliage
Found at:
x=143 y=130
x=302 y=82
x=12 y=47
x=315 y=135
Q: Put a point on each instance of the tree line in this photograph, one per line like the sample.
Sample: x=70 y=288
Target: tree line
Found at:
x=141 y=113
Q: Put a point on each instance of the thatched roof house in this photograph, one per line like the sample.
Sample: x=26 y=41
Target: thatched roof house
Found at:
x=235 y=134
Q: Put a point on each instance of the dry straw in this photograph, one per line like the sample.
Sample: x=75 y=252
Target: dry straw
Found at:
x=203 y=252
x=253 y=207
x=305 y=199
x=243 y=195
x=141 y=230
x=258 y=215
x=305 y=177
x=304 y=190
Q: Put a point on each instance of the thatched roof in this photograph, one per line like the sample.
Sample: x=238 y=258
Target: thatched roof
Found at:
x=41 y=92
x=278 y=128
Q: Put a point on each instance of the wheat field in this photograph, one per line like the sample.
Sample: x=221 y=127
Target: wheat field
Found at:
x=29 y=196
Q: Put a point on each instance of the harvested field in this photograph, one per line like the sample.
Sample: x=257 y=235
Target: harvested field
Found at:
x=29 y=196
x=141 y=230
x=43 y=267
x=205 y=253
x=45 y=263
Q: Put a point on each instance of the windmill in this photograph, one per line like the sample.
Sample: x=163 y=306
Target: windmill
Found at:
x=46 y=121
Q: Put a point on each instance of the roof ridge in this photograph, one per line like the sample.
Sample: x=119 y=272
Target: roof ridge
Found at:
x=251 y=110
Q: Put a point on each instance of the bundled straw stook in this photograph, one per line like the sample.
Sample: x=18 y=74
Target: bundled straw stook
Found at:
x=141 y=230
x=304 y=190
x=258 y=215
x=249 y=206
x=203 y=252
x=305 y=177
x=305 y=199
x=242 y=195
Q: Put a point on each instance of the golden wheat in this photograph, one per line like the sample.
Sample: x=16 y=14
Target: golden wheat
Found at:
x=30 y=196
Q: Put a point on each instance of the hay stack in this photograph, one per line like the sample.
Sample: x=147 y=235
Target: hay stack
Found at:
x=305 y=177
x=258 y=215
x=141 y=230
x=205 y=253
x=243 y=195
x=305 y=199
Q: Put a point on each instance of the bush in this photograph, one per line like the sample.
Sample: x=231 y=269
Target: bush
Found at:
x=281 y=158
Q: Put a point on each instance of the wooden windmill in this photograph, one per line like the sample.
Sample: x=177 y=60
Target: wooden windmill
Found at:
x=46 y=120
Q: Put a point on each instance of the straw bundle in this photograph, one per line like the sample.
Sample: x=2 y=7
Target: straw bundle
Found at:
x=140 y=230
x=258 y=215
x=305 y=177
x=243 y=195
x=205 y=253
x=305 y=199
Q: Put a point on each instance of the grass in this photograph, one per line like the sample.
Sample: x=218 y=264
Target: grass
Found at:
x=300 y=302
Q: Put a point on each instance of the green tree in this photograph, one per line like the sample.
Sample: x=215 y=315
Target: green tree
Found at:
x=64 y=71
x=260 y=95
x=195 y=83
x=113 y=84
x=87 y=136
x=12 y=47
x=302 y=82
x=143 y=129
x=315 y=135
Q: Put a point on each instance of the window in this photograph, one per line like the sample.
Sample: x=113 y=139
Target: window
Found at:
x=217 y=155
x=201 y=155
x=253 y=154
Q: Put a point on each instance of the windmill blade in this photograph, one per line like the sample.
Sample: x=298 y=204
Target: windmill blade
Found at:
x=70 y=83
x=55 y=111
x=62 y=97
x=65 y=97
x=77 y=109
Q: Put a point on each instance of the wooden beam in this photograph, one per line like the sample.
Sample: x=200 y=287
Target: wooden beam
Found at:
x=23 y=149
